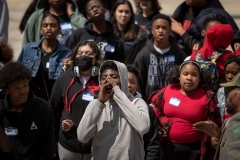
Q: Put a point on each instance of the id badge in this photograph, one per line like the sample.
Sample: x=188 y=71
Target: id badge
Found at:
x=110 y=48
x=87 y=97
x=174 y=101
x=11 y=131
x=171 y=58
x=47 y=65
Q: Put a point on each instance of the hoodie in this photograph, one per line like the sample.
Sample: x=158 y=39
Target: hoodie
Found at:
x=33 y=26
x=218 y=36
x=111 y=46
x=117 y=127
x=34 y=124
x=154 y=67
x=67 y=103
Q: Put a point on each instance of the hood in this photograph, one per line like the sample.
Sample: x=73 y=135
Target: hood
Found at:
x=219 y=36
x=42 y=4
x=109 y=30
x=123 y=73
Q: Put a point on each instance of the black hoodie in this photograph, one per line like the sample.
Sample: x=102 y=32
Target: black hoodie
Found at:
x=154 y=67
x=68 y=139
x=35 y=138
x=110 y=45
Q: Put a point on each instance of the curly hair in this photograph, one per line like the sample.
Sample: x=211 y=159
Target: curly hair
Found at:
x=14 y=72
x=218 y=18
x=108 y=65
x=6 y=53
x=230 y=59
x=155 y=6
x=132 y=69
x=93 y=45
x=205 y=77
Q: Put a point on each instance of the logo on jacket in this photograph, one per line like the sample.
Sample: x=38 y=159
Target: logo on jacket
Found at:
x=33 y=126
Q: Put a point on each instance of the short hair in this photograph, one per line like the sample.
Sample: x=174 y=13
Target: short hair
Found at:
x=100 y=1
x=93 y=45
x=51 y=15
x=162 y=16
x=230 y=59
x=217 y=17
x=132 y=69
x=6 y=53
x=155 y=6
x=108 y=65
x=14 y=72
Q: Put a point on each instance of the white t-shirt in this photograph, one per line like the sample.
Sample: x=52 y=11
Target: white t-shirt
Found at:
x=162 y=51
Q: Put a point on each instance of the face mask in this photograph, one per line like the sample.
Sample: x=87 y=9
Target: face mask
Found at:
x=84 y=62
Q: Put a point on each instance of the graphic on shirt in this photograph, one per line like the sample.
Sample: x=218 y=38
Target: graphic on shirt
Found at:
x=11 y=131
x=66 y=31
x=102 y=46
x=159 y=68
x=33 y=126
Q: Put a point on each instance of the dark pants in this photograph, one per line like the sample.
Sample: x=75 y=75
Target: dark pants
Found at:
x=175 y=151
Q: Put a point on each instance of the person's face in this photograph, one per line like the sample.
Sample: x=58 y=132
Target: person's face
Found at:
x=204 y=31
x=161 y=30
x=57 y=3
x=232 y=99
x=145 y=4
x=232 y=69
x=95 y=10
x=50 y=28
x=110 y=74
x=194 y=3
x=86 y=51
x=132 y=83
x=122 y=14
x=18 y=91
x=189 y=77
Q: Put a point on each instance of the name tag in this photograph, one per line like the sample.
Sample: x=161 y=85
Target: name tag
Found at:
x=110 y=48
x=87 y=97
x=174 y=101
x=47 y=65
x=66 y=25
x=171 y=58
x=11 y=131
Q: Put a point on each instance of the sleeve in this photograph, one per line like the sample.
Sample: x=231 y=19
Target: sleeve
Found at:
x=88 y=124
x=189 y=40
x=73 y=40
x=57 y=106
x=5 y=144
x=120 y=53
x=4 y=21
x=77 y=20
x=136 y=114
x=143 y=71
x=47 y=135
x=151 y=139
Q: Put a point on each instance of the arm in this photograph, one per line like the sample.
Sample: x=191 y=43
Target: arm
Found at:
x=5 y=144
x=190 y=41
x=136 y=114
x=4 y=21
x=88 y=124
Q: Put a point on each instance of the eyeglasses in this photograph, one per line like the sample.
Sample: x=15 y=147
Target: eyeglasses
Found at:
x=90 y=8
x=87 y=53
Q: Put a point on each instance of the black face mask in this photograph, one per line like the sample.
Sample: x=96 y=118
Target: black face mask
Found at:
x=84 y=62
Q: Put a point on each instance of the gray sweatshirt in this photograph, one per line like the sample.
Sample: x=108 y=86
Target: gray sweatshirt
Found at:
x=117 y=127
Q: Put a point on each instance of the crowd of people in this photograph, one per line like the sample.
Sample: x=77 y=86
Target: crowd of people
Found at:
x=118 y=80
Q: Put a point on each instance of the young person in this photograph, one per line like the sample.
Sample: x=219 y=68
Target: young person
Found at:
x=26 y=119
x=190 y=15
x=115 y=120
x=135 y=38
x=151 y=139
x=157 y=59
x=99 y=30
x=72 y=92
x=67 y=12
x=185 y=94
x=231 y=68
x=45 y=57
x=147 y=9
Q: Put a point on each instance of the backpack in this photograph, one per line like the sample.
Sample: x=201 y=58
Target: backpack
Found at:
x=210 y=65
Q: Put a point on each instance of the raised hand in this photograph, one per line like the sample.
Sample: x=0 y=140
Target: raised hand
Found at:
x=106 y=91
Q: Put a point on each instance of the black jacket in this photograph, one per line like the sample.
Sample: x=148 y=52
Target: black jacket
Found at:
x=139 y=43
x=212 y=8
x=58 y=104
x=154 y=67
x=35 y=138
x=110 y=45
x=152 y=144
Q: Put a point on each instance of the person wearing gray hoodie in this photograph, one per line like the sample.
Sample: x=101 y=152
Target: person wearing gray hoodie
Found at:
x=116 y=120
